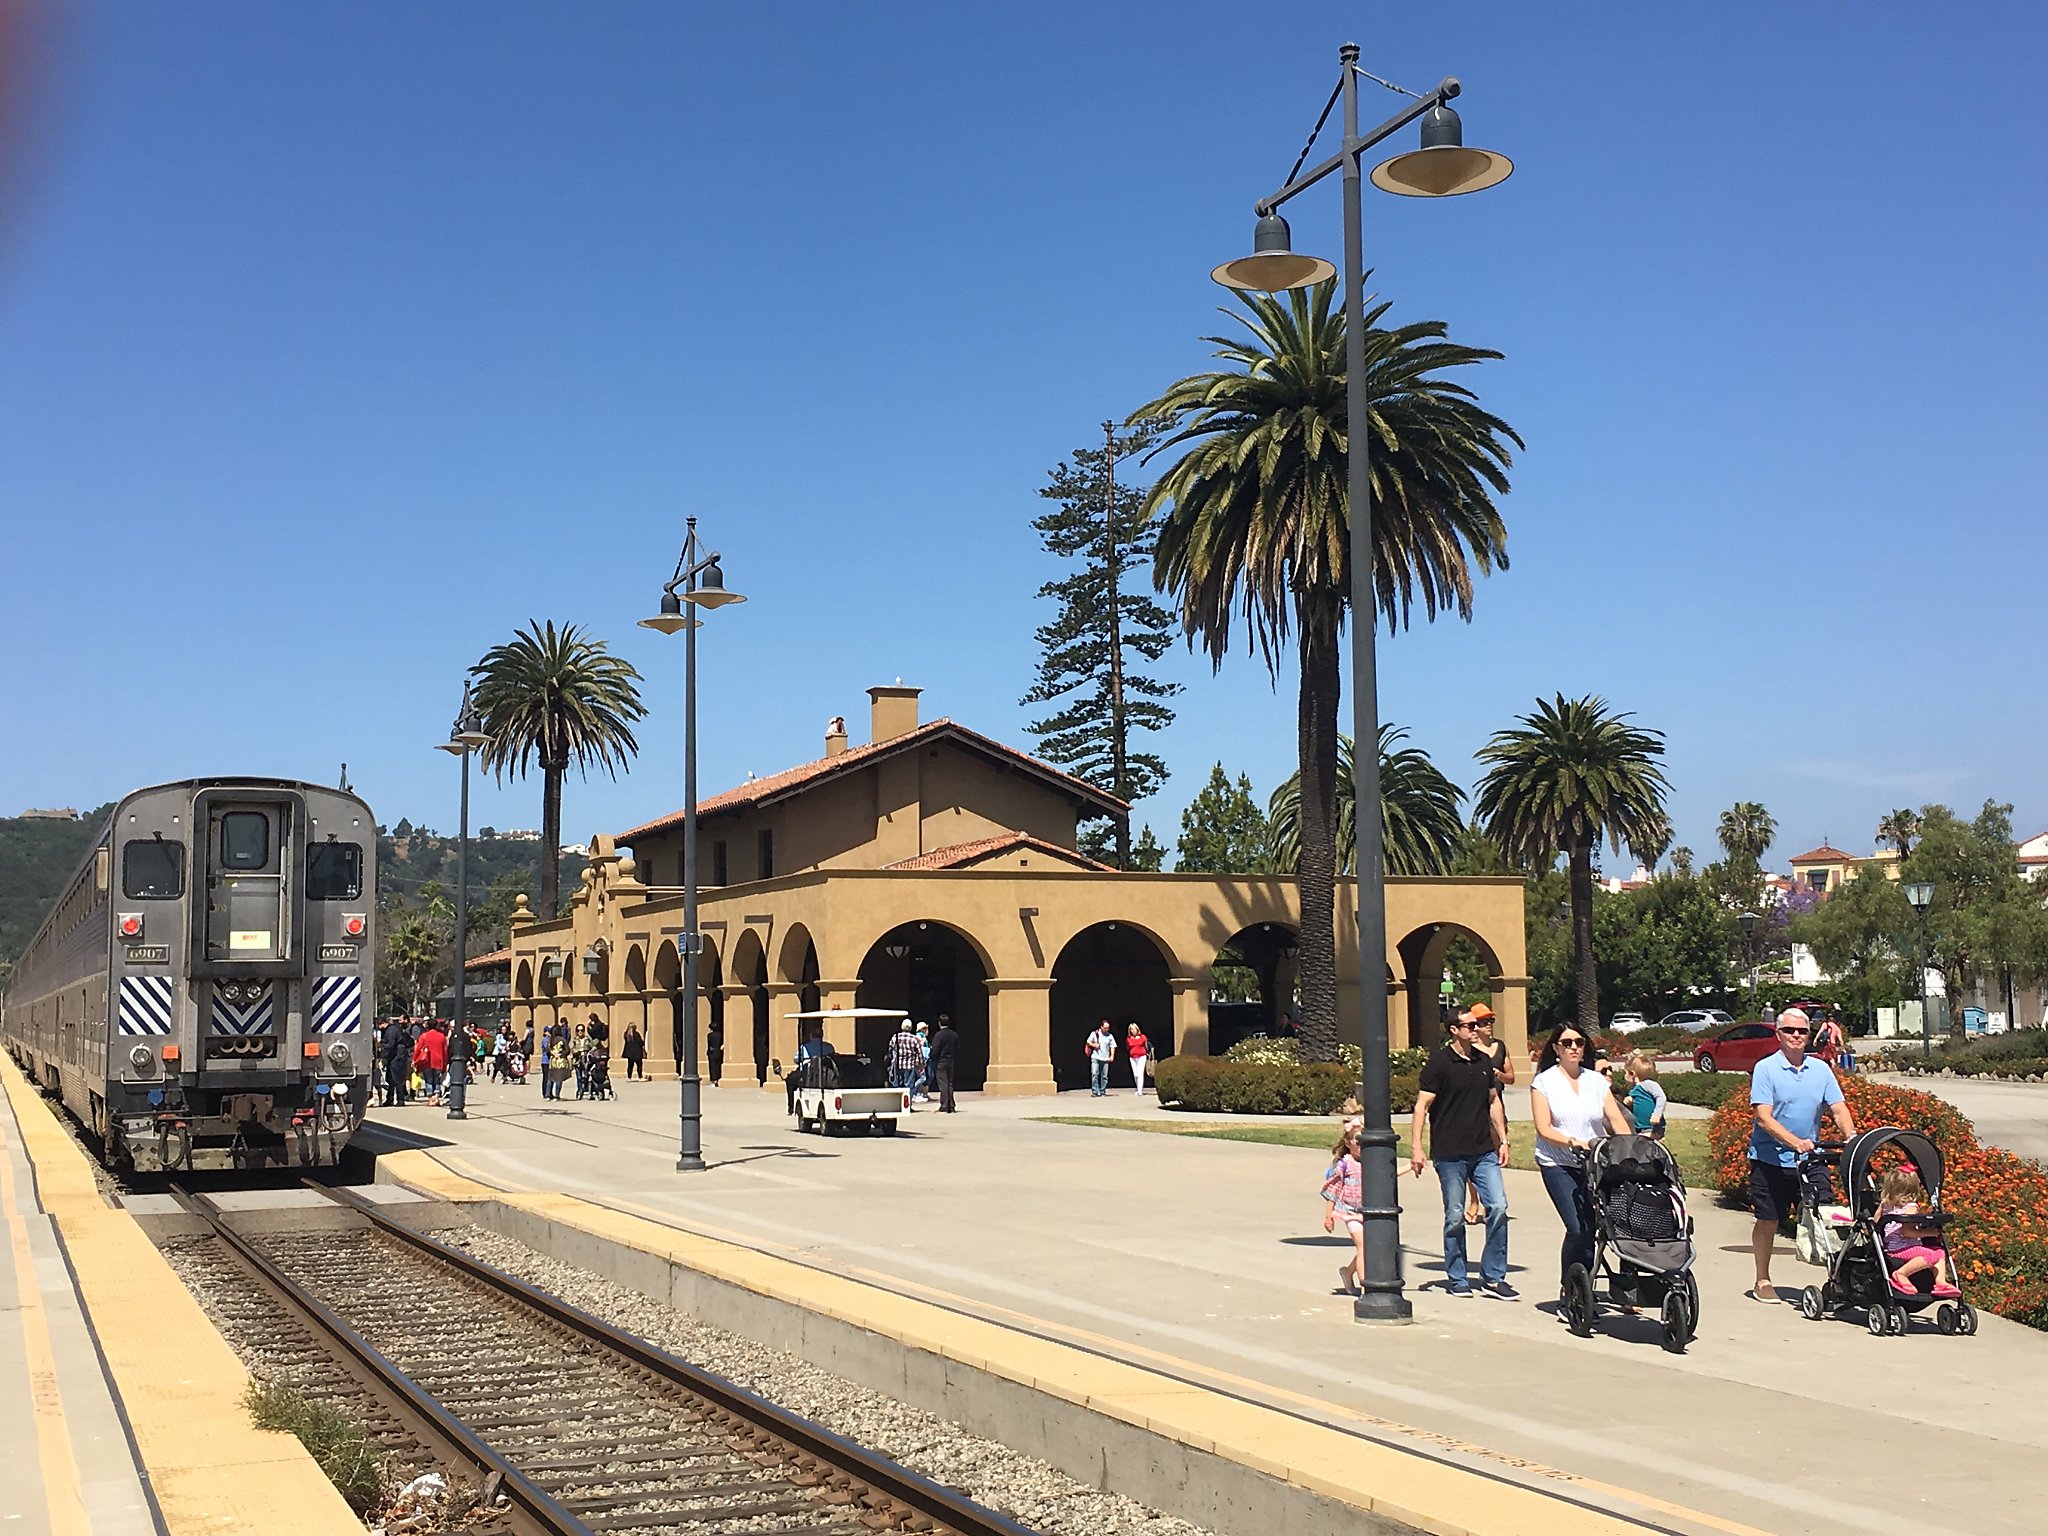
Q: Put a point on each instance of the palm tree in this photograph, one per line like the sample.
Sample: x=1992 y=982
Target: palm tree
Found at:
x=1573 y=774
x=555 y=697
x=1746 y=830
x=1655 y=841
x=1421 y=827
x=1899 y=829
x=1256 y=523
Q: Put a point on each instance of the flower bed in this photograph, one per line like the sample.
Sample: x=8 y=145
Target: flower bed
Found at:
x=1216 y=1085
x=1999 y=1201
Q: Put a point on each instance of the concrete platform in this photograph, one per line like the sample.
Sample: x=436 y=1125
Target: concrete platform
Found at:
x=126 y=1413
x=1204 y=1263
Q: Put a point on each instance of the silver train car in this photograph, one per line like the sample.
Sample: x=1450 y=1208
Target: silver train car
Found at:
x=199 y=996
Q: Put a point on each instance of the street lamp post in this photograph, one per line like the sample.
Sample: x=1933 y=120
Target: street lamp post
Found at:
x=467 y=736
x=1747 y=922
x=1443 y=167
x=700 y=583
x=1920 y=896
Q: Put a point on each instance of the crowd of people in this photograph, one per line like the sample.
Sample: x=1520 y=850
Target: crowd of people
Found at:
x=416 y=1059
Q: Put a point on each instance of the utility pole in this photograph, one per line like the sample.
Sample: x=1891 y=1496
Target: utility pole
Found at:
x=1119 y=768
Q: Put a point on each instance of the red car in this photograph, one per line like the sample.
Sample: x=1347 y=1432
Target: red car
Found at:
x=1735 y=1049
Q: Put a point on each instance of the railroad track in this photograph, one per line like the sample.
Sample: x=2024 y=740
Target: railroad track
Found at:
x=588 y=1430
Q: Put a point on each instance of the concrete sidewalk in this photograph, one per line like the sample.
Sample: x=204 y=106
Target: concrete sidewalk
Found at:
x=1207 y=1259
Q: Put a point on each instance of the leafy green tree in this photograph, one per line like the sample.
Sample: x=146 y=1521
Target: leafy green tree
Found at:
x=1670 y=949
x=1256 y=526
x=1478 y=854
x=418 y=939
x=1975 y=925
x=1223 y=831
x=1574 y=773
x=1861 y=935
x=1421 y=824
x=556 y=698
x=1148 y=854
x=1105 y=618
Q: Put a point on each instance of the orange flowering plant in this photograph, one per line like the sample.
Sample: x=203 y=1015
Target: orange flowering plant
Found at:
x=1999 y=1202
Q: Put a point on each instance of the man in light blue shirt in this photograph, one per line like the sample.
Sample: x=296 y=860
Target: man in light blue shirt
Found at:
x=1787 y=1093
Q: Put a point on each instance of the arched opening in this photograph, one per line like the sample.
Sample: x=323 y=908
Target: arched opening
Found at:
x=666 y=1033
x=1252 y=985
x=929 y=970
x=635 y=972
x=1113 y=971
x=750 y=970
x=711 y=987
x=799 y=965
x=1448 y=968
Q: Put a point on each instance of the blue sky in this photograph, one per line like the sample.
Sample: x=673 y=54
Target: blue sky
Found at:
x=336 y=340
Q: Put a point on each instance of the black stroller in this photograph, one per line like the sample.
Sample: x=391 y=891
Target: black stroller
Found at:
x=597 y=1077
x=1642 y=1240
x=1860 y=1274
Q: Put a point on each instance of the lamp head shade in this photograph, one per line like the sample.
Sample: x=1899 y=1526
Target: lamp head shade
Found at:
x=710 y=589
x=670 y=619
x=1443 y=167
x=1919 y=895
x=1273 y=265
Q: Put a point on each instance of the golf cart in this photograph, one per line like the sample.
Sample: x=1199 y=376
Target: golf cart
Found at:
x=844 y=1090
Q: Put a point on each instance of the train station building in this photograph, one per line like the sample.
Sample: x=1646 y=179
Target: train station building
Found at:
x=936 y=870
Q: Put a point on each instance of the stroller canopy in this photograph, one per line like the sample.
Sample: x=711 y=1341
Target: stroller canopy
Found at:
x=1923 y=1154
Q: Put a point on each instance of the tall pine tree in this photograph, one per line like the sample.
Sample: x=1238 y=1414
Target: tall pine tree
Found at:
x=1105 y=616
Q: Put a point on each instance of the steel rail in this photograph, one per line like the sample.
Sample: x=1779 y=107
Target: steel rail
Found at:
x=888 y=1478
x=417 y=1403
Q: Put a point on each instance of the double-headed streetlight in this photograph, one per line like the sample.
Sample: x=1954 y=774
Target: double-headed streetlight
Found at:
x=1442 y=167
x=466 y=738
x=699 y=583
x=1920 y=896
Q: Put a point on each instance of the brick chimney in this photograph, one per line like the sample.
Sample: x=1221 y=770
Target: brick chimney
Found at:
x=894 y=711
x=835 y=736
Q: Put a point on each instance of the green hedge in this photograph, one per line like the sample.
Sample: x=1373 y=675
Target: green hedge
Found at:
x=1661 y=1040
x=1709 y=1090
x=1214 y=1085
x=1967 y=1066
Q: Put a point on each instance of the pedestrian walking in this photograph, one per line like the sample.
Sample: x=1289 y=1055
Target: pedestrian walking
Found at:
x=1572 y=1104
x=1497 y=1052
x=397 y=1062
x=1344 y=1199
x=633 y=1047
x=906 y=1061
x=924 y=1049
x=430 y=1057
x=1787 y=1093
x=1138 y=1047
x=555 y=1066
x=1467 y=1133
x=945 y=1056
x=1101 y=1052
x=579 y=1059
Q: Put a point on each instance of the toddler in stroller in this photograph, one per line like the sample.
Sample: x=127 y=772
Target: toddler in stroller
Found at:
x=1893 y=1262
x=597 y=1076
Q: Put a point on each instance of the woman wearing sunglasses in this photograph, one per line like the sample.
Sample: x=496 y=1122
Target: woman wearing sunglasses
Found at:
x=1572 y=1104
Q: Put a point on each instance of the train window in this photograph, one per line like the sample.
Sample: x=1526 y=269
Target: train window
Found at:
x=153 y=871
x=244 y=840
x=334 y=872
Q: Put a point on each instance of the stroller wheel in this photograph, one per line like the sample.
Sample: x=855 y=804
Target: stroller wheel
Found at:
x=1966 y=1319
x=1810 y=1304
x=1678 y=1321
x=1692 y=1306
x=1578 y=1300
x=1945 y=1318
x=1901 y=1320
x=1878 y=1321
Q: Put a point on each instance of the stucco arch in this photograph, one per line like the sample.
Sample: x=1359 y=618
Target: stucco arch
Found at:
x=941 y=970
x=635 y=969
x=1422 y=952
x=983 y=955
x=1270 y=949
x=796 y=953
x=1112 y=970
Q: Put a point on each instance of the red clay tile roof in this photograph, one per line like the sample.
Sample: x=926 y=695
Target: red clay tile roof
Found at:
x=495 y=958
x=961 y=855
x=1826 y=855
x=778 y=785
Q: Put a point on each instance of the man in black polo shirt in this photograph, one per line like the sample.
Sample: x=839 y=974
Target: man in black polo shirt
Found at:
x=1468 y=1142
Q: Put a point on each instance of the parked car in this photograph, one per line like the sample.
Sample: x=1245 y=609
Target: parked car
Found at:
x=1627 y=1023
x=1697 y=1019
x=1734 y=1049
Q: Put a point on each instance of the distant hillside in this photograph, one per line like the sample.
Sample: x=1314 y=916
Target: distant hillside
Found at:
x=36 y=858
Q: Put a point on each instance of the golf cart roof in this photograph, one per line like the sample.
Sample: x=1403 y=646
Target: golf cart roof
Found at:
x=852 y=1013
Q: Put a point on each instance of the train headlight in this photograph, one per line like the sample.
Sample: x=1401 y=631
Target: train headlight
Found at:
x=355 y=925
x=131 y=925
x=339 y=1056
x=142 y=1059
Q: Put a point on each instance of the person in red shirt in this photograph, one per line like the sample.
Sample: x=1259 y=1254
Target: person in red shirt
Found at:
x=1136 y=1043
x=430 y=1055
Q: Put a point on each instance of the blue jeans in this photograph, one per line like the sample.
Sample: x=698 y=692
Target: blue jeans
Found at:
x=1482 y=1172
x=1567 y=1190
x=1098 y=1077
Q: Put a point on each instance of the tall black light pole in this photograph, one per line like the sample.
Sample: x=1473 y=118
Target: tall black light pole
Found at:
x=467 y=736
x=699 y=582
x=1920 y=896
x=1443 y=167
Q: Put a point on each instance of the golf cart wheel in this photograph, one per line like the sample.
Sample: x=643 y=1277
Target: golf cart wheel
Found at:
x=1578 y=1300
x=1966 y=1319
x=1945 y=1319
x=1707 y=1064
x=1878 y=1321
x=1810 y=1304
x=887 y=1127
x=1677 y=1321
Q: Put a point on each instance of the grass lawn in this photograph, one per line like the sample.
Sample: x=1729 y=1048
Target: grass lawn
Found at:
x=1686 y=1139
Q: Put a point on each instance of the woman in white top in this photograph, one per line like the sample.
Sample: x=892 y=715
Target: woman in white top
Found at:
x=1572 y=1104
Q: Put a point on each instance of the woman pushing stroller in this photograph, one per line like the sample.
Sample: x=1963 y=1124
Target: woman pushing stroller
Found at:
x=1572 y=1105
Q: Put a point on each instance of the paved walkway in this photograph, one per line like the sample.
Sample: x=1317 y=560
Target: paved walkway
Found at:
x=1207 y=1258
x=2009 y=1115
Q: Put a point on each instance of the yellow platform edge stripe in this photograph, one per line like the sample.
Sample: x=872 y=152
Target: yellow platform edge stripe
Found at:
x=179 y=1383
x=1429 y=1495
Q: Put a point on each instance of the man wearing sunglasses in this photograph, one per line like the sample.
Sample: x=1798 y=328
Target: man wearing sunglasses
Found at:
x=1787 y=1092
x=1458 y=1102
